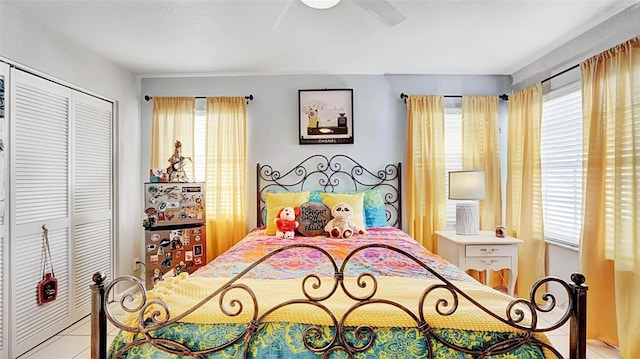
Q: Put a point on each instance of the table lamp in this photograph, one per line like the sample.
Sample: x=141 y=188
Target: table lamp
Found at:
x=467 y=187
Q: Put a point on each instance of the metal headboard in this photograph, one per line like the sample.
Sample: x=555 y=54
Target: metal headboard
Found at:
x=339 y=173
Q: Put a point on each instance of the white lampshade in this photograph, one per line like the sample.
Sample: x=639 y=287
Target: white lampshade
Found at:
x=320 y=4
x=466 y=185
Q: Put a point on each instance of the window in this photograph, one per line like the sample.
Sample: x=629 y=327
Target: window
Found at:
x=620 y=172
x=222 y=167
x=452 y=150
x=561 y=159
x=199 y=140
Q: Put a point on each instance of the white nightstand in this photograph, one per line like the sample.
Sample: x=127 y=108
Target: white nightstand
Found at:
x=482 y=252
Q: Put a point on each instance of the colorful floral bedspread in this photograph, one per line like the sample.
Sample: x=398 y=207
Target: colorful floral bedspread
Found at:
x=298 y=262
x=285 y=340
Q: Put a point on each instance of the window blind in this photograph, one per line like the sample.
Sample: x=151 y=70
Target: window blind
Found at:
x=561 y=160
x=225 y=198
x=199 y=142
x=452 y=152
x=621 y=172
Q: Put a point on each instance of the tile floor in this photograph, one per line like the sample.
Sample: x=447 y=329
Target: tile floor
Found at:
x=73 y=343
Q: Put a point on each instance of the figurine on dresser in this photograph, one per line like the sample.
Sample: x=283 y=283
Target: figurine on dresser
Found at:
x=176 y=170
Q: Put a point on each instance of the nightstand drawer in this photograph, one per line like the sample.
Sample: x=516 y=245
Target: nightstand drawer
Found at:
x=492 y=263
x=489 y=250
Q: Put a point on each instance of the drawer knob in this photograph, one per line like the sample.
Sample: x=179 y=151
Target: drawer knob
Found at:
x=489 y=261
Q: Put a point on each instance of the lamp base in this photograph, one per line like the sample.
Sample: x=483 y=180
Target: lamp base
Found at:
x=468 y=218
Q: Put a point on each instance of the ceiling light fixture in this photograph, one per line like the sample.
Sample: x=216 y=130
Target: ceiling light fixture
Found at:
x=320 y=4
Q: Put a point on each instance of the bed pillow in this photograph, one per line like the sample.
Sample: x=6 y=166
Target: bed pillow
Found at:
x=312 y=218
x=375 y=214
x=374 y=211
x=314 y=196
x=354 y=200
x=276 y=201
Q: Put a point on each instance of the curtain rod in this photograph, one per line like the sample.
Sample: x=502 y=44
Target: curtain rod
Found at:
x=560 y=73
x=505 y=97
x=248 y=98
x=404 y=96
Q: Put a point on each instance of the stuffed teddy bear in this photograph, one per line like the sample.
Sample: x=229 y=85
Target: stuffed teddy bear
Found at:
x=286 y=222
x=340 y=226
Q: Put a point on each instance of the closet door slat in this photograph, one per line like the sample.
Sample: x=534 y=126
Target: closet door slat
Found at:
x=92 y=155
x=41 y=150
x=92 y=253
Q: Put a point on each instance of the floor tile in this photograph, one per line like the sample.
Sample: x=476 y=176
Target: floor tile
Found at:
x=35 y=349
x=592 y=354
x=84 y=328
x=76 y=325
x=86 y=354
x=603 y=349
x=64 y=347
x=560 y=341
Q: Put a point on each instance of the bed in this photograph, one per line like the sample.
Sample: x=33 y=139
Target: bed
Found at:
x=377 y=294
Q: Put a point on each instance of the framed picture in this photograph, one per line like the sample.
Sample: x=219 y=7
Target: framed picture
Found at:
x=325 y=116
x=197 y=250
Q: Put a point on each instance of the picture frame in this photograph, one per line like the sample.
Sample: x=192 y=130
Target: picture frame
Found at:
x=197 y=250
x=325 y=116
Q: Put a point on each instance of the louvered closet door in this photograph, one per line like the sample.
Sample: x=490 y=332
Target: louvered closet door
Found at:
x=40 y=195
x=4 y=169
x=92 y=195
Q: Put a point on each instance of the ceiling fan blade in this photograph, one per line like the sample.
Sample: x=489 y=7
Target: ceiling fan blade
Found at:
x=282 y=13
x=383 y=10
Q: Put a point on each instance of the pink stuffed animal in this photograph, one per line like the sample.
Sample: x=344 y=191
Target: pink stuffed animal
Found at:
x=286 y=222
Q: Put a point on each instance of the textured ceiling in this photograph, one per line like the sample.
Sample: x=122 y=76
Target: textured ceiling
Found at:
x=158 y=37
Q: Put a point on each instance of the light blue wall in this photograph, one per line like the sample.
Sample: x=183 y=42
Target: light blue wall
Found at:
x=272 y=129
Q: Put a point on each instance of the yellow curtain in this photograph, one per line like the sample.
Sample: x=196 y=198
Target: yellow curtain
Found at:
x=172 y=120
x=480 y=151
x=225 y=169
x=426 y=200
x=524 y=185
x=609 y=247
